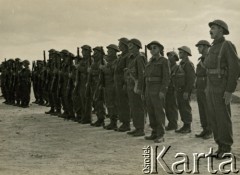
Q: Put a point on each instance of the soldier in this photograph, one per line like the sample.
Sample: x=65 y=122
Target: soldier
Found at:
x=54 y=84
x=121 y=92
x=86 y=104
x=184 y=79
x=47 y=79
x=109 y=88
x=222 y=74
x=68 y=78
x=135 y=80
x=40 y=82
x=18 y=90
x=171 y=98
x=157 y=78
x=25 y=77
x=62 y=82
x=3 y=79
x=8 y=82
x=97 y=86
x=77 y=101
x=201 y=83
x=35 y=80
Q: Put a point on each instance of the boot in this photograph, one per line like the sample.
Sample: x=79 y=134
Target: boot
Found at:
x=201 y=134
x=139 y=133
x=98 y=123
x=50 y=111
x=153 y=136
x=169 y=128
x=124 y=127
x=186 y=128
x=112 y=125
x=132 y=132
x=224 y=149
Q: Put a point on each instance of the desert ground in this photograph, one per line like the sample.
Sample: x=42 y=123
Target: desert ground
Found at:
x=33 y=143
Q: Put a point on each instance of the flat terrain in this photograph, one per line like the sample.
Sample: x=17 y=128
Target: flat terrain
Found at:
x=33 y=143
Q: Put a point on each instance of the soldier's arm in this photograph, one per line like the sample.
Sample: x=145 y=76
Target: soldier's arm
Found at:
x=140 y=72
x=165 y=76
x=190 y=77
x=233 y=67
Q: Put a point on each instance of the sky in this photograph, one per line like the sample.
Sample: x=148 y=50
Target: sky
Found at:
x=27 y=27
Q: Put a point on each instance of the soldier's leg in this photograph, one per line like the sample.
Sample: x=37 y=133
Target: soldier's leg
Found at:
x=171 y=110
x=185 y=111
x=152 y=119
x=137 y=111
x=110 y=102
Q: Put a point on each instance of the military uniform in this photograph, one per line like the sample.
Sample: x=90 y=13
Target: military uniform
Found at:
x=109 y=87
x=157 y=78
x=121 y=93
x=184 y=79
x=171 y=107
x=97 y=89
x=135 y=80
x=83 y=76
x=222 y=75
x=25 y=77
x=201 y=83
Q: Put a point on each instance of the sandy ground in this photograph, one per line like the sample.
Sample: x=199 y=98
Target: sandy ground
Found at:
x=32 y=143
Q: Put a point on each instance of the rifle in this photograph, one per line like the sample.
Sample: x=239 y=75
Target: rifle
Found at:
x=69 y=77
x=44 y=58
x=146 y=51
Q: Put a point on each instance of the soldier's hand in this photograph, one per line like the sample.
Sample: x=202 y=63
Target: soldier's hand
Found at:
x=102 y=67
x=137 y=91
x=161 y=95
x=185 y=95
x=228 y=97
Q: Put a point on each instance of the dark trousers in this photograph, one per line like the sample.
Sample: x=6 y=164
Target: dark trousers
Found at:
x=110 y=100
x=184 y=107
x=86 y=102
x=171 y=108
x=155 y=109
x=26 y=91
x=137 y=109
x=203 y=110
x=219 y=112
x=122 y=103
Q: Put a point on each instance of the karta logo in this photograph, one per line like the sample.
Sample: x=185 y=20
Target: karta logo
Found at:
x=154 y=159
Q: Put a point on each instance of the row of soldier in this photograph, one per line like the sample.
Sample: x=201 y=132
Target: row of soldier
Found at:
x=16 y=82
x=130 y=86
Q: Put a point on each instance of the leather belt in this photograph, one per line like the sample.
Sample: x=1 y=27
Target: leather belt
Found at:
x=215 y=71
x=151 y=79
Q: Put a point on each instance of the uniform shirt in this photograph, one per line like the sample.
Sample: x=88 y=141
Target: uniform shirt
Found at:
x=136 y=68
x=229 y=62
x=157 y=68
x=201 y=73
x=120 y=65
x=189 y=71
x=108 y=70
x=173 y=69
x=25 y=76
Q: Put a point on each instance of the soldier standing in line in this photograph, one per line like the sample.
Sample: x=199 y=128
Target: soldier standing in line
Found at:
x=62 y=82
x=68 y=79
x=222 y=74
x=201 y=83
x=3 y=80
x=109 y=88
x=86 y=104
x=34 y=81
x=121 y=92
x=9 y=80
x=171 y=98
x=40 y=82
x=25 y=84
x=54 y=84
x=47 y=79
x=77 y=101
x=135 y=81
x=97 y=86
x=157 y=78
x=18 y=90
x=184 y=83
